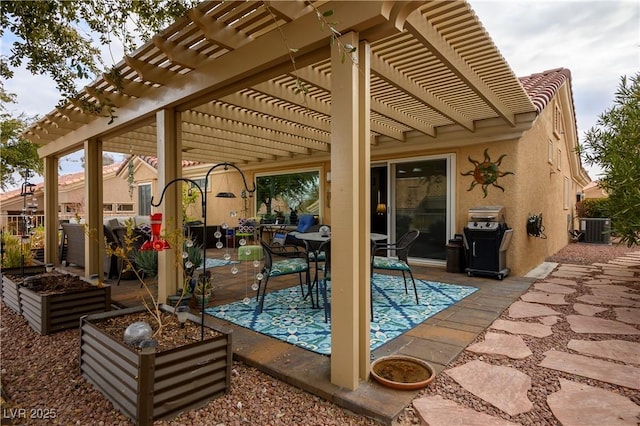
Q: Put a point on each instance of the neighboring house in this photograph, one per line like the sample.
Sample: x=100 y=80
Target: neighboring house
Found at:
x=425 y=117
x=71 y=203
x=594 y=190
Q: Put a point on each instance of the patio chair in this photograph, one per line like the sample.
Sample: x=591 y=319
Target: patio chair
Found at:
x=400 y=263
x=325 y=249
x=292 y=261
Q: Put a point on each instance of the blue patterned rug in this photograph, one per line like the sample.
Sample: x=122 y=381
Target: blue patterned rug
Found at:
x=289 y=317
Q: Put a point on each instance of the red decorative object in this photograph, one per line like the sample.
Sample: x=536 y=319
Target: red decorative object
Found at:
x=156 y=242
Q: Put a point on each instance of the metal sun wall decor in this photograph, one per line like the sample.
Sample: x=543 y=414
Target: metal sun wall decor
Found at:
x=486 y=173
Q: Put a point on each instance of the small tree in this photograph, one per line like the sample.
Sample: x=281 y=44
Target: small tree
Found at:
x=614 y=145
x=18 y=154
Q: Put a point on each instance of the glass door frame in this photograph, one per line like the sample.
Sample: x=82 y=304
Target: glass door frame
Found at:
x=450 y=198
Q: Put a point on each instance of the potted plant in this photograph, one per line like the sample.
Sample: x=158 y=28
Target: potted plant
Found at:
x=203 y=289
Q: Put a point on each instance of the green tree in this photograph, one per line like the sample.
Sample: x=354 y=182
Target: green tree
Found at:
x=293 y=188
x=614 y=144
x=17 y=155
x=56 y=38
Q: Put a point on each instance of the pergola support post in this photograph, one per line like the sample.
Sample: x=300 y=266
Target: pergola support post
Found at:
x=51 y=210
x=349 y=169
x=94 y=233
x=169 y=168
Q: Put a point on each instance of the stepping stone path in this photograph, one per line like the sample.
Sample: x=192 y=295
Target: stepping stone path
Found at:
x=613 y=361
x=577 y=404
x=544 y=298
x=504 y=387
x=529 y=328
x=586 y=324
x=502 y=344
x=628 y=315
x=605 y=371
x=528 y=310
x=589 y=310
x=437 y=411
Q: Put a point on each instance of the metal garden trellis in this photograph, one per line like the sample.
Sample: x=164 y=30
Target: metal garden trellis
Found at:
x=203 y=197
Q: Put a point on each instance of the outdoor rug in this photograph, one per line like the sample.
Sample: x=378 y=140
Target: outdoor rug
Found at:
x=214 y=263
x=289 y=317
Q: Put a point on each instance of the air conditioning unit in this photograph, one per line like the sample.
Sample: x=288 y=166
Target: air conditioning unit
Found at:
x=596 y=230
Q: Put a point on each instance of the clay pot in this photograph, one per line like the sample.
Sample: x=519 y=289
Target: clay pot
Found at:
x=402 y=372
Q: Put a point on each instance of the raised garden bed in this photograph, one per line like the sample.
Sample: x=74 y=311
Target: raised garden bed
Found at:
x=55 y=302
x=9 y=289
x=162 y=384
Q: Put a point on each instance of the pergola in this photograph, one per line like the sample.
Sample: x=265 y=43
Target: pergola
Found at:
x=257 y=82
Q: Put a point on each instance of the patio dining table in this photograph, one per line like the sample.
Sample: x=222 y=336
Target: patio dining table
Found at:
x=318 y=237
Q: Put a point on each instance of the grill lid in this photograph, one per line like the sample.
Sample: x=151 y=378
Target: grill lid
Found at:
x=486 y=214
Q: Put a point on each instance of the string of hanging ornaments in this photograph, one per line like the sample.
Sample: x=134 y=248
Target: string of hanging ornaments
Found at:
x=193 y=185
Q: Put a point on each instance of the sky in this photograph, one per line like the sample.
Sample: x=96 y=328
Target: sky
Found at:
x=598 y=41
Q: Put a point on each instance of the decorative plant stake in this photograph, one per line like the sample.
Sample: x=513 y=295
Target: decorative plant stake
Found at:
x=486 y=172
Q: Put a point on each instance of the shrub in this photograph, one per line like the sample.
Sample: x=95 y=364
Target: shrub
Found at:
x=593 y=207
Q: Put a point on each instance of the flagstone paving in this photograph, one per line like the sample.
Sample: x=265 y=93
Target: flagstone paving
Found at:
x=527 y=310
x=609 y=353
x=590 y=310
x=606 y=371
x=437 y=411
x=587 y=324
x=504 y=387
x=544 y=298
x=619 y=350
x=628 y=315
x=578 y=404
x=502 y=344
x=554 y=288
x=529 y=328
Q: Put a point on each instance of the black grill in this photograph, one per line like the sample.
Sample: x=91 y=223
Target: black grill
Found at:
x=486 y=239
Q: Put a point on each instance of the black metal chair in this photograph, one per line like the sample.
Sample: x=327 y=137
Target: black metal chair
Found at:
x=399 y=263
x=325 y=249
x=292 y=261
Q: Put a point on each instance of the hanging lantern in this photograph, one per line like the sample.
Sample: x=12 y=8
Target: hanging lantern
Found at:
x=156 y=242
x=381 y=208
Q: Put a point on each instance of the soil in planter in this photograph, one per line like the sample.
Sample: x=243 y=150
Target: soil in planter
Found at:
x=171 y=335
x=55 y=283
x=402 y=371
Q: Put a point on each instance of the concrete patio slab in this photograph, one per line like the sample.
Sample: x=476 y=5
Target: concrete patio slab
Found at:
x=437 y=411
x=606 y=371
x=518 y=327
x=503 y=387
x=578 y=404
x=618 y=350
x=502 y=344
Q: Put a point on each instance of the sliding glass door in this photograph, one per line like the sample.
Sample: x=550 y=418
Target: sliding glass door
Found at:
x=422 y=194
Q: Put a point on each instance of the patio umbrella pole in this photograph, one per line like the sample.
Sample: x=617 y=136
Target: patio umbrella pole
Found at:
x=203 y=197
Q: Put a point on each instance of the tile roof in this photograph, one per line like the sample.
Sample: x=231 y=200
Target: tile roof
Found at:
x=542 y=87
x=63 y=180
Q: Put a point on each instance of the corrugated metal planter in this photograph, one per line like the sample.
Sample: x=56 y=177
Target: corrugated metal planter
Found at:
x=160 y=385
x=48 y=313
x=9 y=289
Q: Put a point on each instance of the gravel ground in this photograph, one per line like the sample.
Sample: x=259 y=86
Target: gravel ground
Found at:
x=42 y=372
